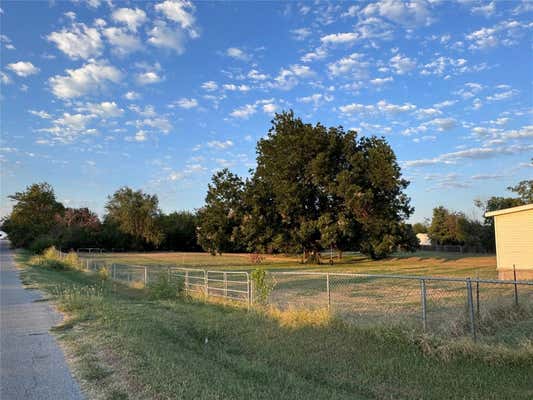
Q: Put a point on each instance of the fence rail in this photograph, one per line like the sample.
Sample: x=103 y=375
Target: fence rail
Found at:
x=449 y=306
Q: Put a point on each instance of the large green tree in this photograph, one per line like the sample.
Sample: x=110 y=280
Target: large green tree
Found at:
x=219 y=220
x=135 y=213
x=179 y=229
x=316 y=187
x=36 y=212
x=524 y=190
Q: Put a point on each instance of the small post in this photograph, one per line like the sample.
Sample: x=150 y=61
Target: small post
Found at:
x=477 y=297
x=423 y=302
x=168 y=273
x=249 y=290
x=225 y=284
x=113 y=272
x=328 y=291
x=206 y=282
x=471 y=308
x=145 y=276
x=515 y=287
x=186 y=281
x=87 y=264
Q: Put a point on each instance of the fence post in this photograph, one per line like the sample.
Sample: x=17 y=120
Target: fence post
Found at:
x=186 y=281
x=477 y=297
x=515 y=287
x=423 y=301
x=168 y=273
x=206 y=282
x=145 y=276
x=113 y=272
x=328 y=291
x=225 y=284
x=87 y=265
x=471 y=308
x=249 y=289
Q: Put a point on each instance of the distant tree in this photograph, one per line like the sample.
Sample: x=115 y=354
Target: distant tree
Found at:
x=179 y=229
x=219 y=220
x=136 y=214
x=35 y=213
x=78 y=227
x=444 y=228
x=420 y=227
x=524 y=189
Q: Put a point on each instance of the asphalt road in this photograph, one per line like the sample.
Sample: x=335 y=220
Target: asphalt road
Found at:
x=32 y=366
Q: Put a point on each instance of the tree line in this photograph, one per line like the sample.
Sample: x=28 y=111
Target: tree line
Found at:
x=448 y=227
x=313 y=188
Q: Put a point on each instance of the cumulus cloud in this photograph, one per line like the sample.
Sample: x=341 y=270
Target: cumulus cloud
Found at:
x=354 y=65
x=301 y=33
x=402 y=64
x=407 y=13
x=244 y=112
x=123 y=42
x=88 y=79
x=148 y=78
x=23 y=68
x=220 y=145
x=78 y=41
x=443 y=124
x=186 y=103
x=164 y=36
x=238 y=54
x=181 y=12
x=105 y=109
x=131 y=95
x=210 y=86
x=340 y=38
x=41 y=114
x=505 y=33
x=132 y=18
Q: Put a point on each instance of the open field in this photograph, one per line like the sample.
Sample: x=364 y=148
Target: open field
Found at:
x=124 y=345
x=420 y=263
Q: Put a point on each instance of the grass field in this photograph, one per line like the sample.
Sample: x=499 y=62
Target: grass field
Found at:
x=420 y=263
x=124 y=345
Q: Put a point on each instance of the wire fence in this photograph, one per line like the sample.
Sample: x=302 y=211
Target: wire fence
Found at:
x=441 y=305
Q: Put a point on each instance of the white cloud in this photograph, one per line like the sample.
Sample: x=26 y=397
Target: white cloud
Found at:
x=159 y=123
x=505 y=33
x=340 y=38
x=238 y=54
x=90 y=78
x=244 y=112
x=221 y=145
x=210 y=86
x=318 y=54
x=148 y=78
x=381 y=81
x=269 y=108
x=485 y=9
x=402 y=64
x=256 y=75
x=503 y=95
x=41 y=114
x=384 y=106
x=7 y=42
x=352 y=64
x=23 y=68
x=80 y=41
x=301 y=33
x=131 y=95
x=180 y=12
x=444 y=124
x=161 y=35
x=123 y=43
x=105 y=109
x=445 y=103
x=317 y=99
x=235 y=88
x=428 y=112
x=4 y=78
x=187 y=103
x=289 y=77
x=408 y=13
x=355 y=108
x=132 y=18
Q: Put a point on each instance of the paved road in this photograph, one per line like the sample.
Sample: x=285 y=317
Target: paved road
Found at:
x=32 y=366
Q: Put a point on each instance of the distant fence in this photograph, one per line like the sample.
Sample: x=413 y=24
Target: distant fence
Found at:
x=447 y=306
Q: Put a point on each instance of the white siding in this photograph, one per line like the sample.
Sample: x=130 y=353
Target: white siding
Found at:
x=514 y=240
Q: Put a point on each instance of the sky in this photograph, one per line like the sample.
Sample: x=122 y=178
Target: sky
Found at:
x=96 y=94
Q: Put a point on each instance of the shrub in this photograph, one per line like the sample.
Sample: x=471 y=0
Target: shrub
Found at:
x=262 y=285
x=72 y=260
x=165 y=289
x=39 y=245
x=103 y=273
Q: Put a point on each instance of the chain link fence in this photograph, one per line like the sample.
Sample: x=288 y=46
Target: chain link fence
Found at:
x=446 y=306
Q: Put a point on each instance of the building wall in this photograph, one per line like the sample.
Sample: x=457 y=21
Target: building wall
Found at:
x=514 y=244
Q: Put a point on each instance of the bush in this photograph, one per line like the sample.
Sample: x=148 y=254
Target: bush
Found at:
x=165 y=289
x=39 y=245
x=262 y=286
x=103 y=273
x=72 y=260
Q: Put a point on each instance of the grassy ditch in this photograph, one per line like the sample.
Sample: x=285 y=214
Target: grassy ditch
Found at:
x=129 y=343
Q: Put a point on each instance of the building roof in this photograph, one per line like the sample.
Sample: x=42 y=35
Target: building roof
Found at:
x=509 y=210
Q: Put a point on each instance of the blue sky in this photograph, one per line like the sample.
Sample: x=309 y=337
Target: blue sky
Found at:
x=158 y=95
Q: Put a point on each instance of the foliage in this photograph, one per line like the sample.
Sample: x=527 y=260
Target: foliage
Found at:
x=41 y=243
x=220 y=218
x=420 y=227
x=262 y=285
x=35 y=213
x=455 y=228
x=135 y=213
x=103 y=273
x=165 y=289
x=179 y=229
x=524 y=189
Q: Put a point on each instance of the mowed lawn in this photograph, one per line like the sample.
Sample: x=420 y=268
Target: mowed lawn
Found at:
x=419 y=263
x=123 y=344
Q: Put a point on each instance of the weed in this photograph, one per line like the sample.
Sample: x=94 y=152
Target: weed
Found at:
x=165 y=289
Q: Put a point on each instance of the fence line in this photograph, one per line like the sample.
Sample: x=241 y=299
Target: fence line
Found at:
x=444 y=305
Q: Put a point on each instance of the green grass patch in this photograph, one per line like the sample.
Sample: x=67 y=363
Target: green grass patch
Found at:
x=130 y=345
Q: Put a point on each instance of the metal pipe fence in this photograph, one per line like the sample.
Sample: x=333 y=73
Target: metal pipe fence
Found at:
x=449 y=306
